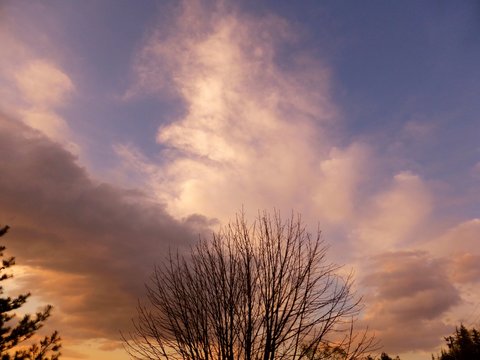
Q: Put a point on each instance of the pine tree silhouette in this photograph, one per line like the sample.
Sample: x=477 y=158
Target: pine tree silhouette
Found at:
x=12 y=336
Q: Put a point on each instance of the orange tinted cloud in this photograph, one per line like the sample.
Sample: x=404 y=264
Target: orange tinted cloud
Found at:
x=409 y=290
x=88 y=246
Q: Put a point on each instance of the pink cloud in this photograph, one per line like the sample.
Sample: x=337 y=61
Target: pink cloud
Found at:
x=409 y=290
x=254 y=133
x=466 y=268
x=395 y=214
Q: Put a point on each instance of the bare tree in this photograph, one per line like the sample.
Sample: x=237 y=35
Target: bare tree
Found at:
x=260 y=292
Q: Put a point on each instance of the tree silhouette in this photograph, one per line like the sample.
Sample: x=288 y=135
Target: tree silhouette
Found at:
x=385 y=356
x=12 y=337
x=260 y=292
x=464 y=344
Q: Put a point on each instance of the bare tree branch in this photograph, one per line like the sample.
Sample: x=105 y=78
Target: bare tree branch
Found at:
x=260 y=292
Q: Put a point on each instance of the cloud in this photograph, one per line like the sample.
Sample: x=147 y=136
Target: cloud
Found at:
x=42 y=84
x=42 y=89
x=34 y=86
x=461 y=244
x=89 y=245
x=466 y=268
x=417 y=129
x=409 y=290
x=396 y=214
x=256 y=131
x=47 y=122
x=339 y=181
x=460 y=238
x=476 y=170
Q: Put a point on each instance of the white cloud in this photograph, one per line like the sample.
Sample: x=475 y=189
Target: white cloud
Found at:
x=254 y=133
x=42 y=89
x=341 y=175
x=42 y=84
x=395 y=215
x=51 y=125
x=461 y=238
x=33 y=88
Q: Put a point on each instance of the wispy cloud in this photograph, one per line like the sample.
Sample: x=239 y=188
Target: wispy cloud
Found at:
x=256 y=132
x=43 y=88
x=34 y=87
x=42 y=84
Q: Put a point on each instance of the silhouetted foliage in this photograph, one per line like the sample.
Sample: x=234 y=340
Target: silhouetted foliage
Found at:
x=383 y=356
x=260 y=292
x=12 y=336
x=464 y=344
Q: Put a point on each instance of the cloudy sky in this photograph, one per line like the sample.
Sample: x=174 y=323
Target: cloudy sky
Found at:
x=127 y=128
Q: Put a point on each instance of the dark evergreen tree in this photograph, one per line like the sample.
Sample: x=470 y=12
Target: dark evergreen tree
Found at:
x=13 y=336
x=464 y=344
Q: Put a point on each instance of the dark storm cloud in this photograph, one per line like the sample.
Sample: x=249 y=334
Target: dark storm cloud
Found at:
x=92 y=245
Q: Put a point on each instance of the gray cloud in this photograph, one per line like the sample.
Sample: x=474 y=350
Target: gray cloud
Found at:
x=409 y=290
x=90 y=245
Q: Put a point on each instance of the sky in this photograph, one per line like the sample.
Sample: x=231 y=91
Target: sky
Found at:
x=128 y=129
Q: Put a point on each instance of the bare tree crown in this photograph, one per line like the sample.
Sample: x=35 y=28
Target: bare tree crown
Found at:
x=259 y=292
